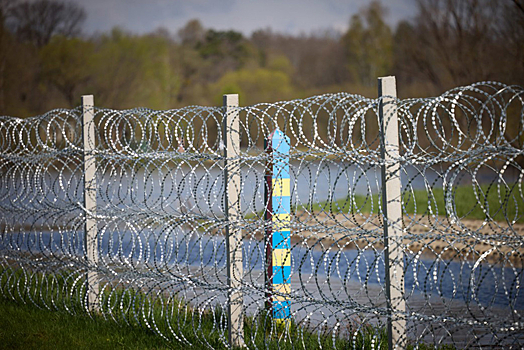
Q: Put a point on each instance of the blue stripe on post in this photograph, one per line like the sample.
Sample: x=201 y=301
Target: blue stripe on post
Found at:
x=280 y=145
x=281 y=309
x=281 y=205
x=281 y=240
x=281 y=274
x=280 y=142
x=280 y=168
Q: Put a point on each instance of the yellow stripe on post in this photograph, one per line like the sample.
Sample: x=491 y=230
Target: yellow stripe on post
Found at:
x=281 y=291
x=281 y=222
x=283 y=322
x=281 y=257
x=282 y=187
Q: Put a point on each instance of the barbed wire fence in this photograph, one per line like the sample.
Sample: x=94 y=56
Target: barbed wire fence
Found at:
x=335 y=221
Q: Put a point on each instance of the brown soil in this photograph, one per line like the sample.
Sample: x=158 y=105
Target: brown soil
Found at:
x=432 y=237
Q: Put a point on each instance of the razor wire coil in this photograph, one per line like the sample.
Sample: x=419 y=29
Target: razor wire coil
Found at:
x=161 y=221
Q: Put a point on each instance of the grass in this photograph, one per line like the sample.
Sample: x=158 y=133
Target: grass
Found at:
x=27 y=327
x=127 y=309
x=468 y=202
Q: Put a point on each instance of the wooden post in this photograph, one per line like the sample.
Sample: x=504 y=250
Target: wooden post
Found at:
x=278 y=213
x=392 y=211
x=268 y=218
x=90 y=238
x=231 y=140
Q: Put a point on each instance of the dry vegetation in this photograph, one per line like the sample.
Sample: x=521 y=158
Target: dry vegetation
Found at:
x=46 y=62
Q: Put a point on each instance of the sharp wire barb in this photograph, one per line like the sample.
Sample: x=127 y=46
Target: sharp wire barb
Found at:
x=157 y=253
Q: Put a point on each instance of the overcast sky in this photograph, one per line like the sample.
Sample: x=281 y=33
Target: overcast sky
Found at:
x=285 y=16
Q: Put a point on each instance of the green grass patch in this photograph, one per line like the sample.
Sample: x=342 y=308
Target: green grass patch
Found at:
x=28 y=327
x=499 y=203
x=26 y=322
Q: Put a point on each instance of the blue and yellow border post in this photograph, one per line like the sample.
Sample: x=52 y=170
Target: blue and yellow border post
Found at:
x=278 y=231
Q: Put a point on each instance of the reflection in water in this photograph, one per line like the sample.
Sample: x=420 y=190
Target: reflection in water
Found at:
x=152 y=198
x=482 y=284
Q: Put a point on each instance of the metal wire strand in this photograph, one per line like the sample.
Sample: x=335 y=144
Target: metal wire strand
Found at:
x=161 y=220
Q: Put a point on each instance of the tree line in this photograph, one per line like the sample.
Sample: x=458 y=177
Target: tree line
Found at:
x=47 y=62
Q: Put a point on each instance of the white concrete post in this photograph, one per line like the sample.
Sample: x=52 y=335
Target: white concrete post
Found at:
x=231 y=139
x=392 y=211
x=90 y=239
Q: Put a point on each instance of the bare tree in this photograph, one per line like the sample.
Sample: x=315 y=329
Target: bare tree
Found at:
x=317 y=59
x=38 y=21
x=192 y=33
x=512 y=30
x=5 y=7
x=456 y=42
x=520 y=5
x=369 y=45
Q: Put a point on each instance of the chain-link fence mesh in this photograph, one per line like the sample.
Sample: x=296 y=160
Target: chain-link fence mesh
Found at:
x=160 y=219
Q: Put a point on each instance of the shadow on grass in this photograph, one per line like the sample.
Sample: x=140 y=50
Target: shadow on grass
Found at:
x=46 y=311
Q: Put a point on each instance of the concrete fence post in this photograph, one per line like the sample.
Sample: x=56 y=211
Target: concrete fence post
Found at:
x=90 y=187
x=392 y=213
x=231 y=140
